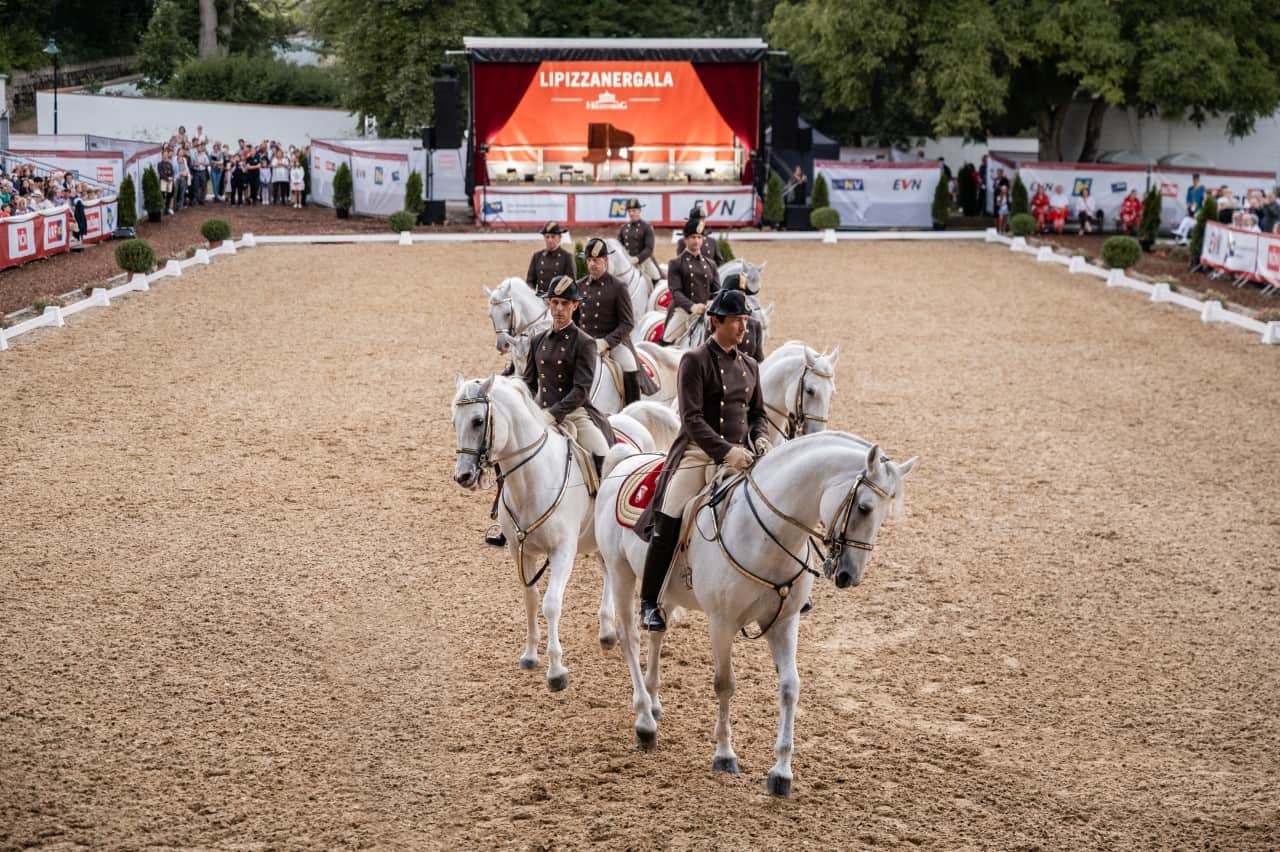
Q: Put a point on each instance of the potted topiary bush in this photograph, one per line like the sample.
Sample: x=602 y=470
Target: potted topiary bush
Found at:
x=821 y=194
x=135 y=256
x=824 y=218
x=401 y=220
x=726 y=250
x=1121 y=252
x=1149 y=224
x=215 y=231
x=127 y=208
x=1208 y=213
x=152 y=199
x=342 y=191
x=1022 y=224
x=413 y=201
x=1018 y=201
x=775 y=209
x=941 y=209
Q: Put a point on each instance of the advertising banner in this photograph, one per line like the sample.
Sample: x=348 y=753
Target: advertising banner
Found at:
x=729 y=207
x=1242 y=253
x=93 y=222
x=448 y=177
x=1269 y=259
x=1107 y=184
x=53 y=231
x=661 y=104
x=378 y=181
x=1174 y=184
x=20 y=239
x=521 y=208
x=96 y=167
x=325 y=160
x=881 y=195
x=110 y=208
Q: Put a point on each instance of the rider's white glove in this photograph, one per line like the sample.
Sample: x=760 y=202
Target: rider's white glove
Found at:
x=738 y=458
x=763 y=446
x=602 y=345
x=698 y=310
x=635 y=261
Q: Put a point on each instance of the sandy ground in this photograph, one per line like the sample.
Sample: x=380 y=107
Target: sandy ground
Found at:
x=242 y=604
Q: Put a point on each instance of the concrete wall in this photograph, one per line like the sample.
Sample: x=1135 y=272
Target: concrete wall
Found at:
x=1122 y=129
x=156 y=119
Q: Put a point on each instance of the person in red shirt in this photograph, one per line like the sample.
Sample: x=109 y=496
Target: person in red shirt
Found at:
x=1040 y=207
x=1130 y=213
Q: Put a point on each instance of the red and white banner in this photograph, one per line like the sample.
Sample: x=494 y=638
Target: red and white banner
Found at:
x=53 y=231
x=606 y=205
x=20 y=239
x=1237 y=251
x=1108 y=185
x=97 y=167
x=378 y=182
x=1269 y=259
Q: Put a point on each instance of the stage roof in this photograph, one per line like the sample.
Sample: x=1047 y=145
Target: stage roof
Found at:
x=700 y=50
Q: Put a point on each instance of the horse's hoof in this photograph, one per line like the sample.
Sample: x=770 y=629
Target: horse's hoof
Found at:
x=647 y=740
x=608 y=643
x=778 y=786
x=725 y=764
x=527 y=664
x=555 y=684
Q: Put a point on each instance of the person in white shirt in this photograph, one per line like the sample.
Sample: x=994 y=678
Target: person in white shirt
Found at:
x=297 y=181
x=1059 y=208
x=1087 y=213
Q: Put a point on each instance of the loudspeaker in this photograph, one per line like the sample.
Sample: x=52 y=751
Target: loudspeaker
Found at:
x=429 y=137
x=433 y=213
x=786 y=113
x=804 y=139
x=447 y=91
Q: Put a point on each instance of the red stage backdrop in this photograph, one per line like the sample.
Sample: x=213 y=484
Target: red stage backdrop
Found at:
x=664 y=104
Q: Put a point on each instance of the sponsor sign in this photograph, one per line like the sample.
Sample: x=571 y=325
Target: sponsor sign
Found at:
x=106 y=174
x=20 y=238
x=612 y=207
x=719 y=208
x=54 y=232
x=880 y=195
x=499 y=207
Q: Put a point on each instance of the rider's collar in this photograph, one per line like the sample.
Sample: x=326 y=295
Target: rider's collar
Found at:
x=731 y=352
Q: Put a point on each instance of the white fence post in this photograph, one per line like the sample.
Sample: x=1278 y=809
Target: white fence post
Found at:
x=406 y=238
x=202 y=256
x=1077 y=264
x=1018 y=244
x=1115 y=278
x=247 y=241
x=100 y=297
x=1270 y=336
x=1045 y=254
x=1209 y=313
x=1160 y=292
x=4 y=341
x=56 y=313
x=140 y=283
x=829 y=235
x=173 y=269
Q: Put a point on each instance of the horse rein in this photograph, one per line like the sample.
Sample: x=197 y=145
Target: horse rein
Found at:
x=510 y=330
x=483 y=461
x=797 y=418
x=833 y=543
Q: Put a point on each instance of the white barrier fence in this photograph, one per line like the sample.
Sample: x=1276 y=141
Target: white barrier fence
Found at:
x=1209 y=310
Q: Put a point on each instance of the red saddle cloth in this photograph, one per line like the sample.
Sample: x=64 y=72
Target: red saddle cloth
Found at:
x=665 y=299
x=655 y=333
x=636 y=492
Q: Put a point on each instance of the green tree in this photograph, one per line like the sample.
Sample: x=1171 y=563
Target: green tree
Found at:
x=413 y=201
x=248 y=27
x=127 y=206
x=1208 y=213
x=941 y=207
x=821 y=195
x=387 y=49
x=775 y=209
x=1018 y=202
x=1149 y=224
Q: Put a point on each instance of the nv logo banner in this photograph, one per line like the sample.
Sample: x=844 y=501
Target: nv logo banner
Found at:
x=618 y=208
x=1082 y=183
x=1119 y=186
x=847 y=184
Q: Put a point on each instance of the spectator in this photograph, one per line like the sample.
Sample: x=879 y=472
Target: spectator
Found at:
x=80 y=225
x=1002 y=210
x=1228 y=204
x=264 y=174
x=1269 y=215
x=1130 y=213
x=1087 y=213
x=165 y=171
x=199 y=174
x=217 y=163
x=1059 y=208
x=279 y=177
x=1001 y=181
x=182 y=183
x=297 y=182
x=1195 y=196
x=239 y=180
x=794 y=191
x=1040 y=207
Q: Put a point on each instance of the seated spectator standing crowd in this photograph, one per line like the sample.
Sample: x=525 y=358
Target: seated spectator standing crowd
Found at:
x=23 y=191
x=193 y=171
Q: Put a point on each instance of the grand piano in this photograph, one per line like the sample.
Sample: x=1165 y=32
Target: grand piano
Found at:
x=603 y=143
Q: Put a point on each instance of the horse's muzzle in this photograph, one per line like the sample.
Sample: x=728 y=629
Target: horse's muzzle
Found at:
x=467 y=477
x=845 y=579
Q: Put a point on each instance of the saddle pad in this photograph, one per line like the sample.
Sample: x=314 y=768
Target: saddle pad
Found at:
x=664 y=300
x=655 y=333
x=636 y=492
x=649 y=369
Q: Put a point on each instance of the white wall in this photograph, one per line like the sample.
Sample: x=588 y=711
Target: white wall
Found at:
x=156 y=119
x=1260 y=151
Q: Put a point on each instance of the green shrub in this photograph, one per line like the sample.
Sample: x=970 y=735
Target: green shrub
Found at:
x=215 y=230
x=135 y=256
x=1209 y=212
x=127 y=208
x=726 y=250
x=413 y=201
x=401 y=220
x=1149 y=224
x=254 y=80
x=342 y=187
x=824 y=218
x=579 y=262
x=1022 y=224
x=152 y=198
x=1018 y=201
x=967 y=189
x=775 y=209
x=1121 y=252
x=821 y=194
x=941 y=209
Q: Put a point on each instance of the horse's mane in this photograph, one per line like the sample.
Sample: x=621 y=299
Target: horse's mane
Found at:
x=782 y=455
x=521 y=391
x=504 y=289
x=780 y=360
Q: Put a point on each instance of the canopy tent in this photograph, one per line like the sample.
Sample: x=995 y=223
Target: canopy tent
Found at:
x=690 y=107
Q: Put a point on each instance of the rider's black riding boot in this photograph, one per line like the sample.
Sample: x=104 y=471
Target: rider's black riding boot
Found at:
x=599 y=462
x=630 y=387
x=662 y=546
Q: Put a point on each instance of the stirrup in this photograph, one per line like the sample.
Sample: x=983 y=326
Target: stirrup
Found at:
x=652 y=617
x=495 y=536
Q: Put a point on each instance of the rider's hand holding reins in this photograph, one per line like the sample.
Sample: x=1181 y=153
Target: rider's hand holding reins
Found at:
x=698 y=310
x=549 y=417
x=762 y=446
x=738 y=458
x=602 y=345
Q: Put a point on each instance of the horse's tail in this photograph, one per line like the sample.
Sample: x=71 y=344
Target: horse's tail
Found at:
x=615 y=455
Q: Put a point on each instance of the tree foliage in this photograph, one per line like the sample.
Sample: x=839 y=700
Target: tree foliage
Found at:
x=1149 y=224
x=1018 y=201
x=941 y=207
x=1208 y=213
x=84 y=30
x=970 y=68
x=248 y=27
x=821 y=194
x=255 y=80
x=127 y=207
x=775 y=208
x=413 y=200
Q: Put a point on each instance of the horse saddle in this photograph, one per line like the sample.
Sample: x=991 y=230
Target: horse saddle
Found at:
x=647 y=375
x=637 y=491
x=586 y=462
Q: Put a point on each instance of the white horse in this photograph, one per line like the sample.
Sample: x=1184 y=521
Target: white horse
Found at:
x=660 y=422
x=797 y=385
x=605 y=394
x=621 y=269
x=749 y=561
x=752 y=275
x=544 y=507
x=517 y=314
x=650 y=324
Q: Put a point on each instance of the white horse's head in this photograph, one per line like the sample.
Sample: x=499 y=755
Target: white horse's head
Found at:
x=512 y=306
x=748 y=272
x=807 y=381
x=619 y=259
x=484 y=412
x=854 y=511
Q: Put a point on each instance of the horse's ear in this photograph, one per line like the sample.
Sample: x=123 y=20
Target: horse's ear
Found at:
x=769 y=310
x=905 y=467
x=834 y=356
x=487 y=386
x=762 y=266
x=487 y=291
x=458 y=381
x=808 y=357
x=874 y=457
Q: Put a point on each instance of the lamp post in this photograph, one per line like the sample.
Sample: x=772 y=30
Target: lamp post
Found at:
x=53 y=51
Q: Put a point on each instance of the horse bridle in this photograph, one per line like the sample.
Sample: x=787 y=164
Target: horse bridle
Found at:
x=510 y=330
x=832 y=547
x=797 y=418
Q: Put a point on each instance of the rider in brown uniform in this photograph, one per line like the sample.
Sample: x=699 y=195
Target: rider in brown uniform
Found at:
x=550 y=261
x=722 y=424
x=753 y=343
x=636 y=237
x=692 y=280
x=606 y=314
